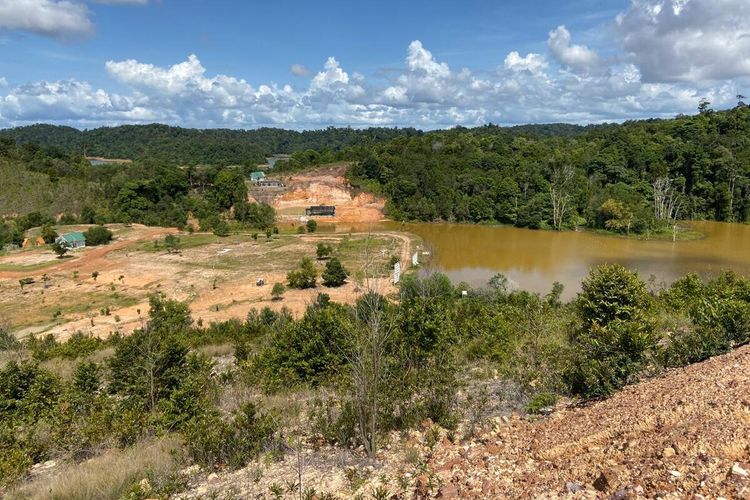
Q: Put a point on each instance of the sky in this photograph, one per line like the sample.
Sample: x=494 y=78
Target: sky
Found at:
x=428 y=64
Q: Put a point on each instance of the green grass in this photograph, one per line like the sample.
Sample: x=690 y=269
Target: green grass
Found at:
x=32 y=267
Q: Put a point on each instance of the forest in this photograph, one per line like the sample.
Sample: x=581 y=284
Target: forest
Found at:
x=41 y=185
x=637 y=177
x=181 y=146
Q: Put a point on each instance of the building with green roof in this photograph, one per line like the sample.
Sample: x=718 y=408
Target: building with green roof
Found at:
x=72 y=240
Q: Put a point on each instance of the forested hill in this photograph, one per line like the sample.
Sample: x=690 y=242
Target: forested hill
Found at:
x=639 y=176
x=184 y=146
x=226 y=146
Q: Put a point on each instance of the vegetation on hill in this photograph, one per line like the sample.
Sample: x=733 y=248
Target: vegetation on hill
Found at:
x=635 y=177
x=183 y=146
x=382 y=365
x=40 y=184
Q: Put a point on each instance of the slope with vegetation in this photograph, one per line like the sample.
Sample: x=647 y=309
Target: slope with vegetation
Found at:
x=348 y=377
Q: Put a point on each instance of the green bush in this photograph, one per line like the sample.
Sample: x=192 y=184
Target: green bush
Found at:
x=334 y=274
x=215 y=443
x=311 y=226
x=540 y=401
x=97 y=235
x=616 y=336
x=304 y=276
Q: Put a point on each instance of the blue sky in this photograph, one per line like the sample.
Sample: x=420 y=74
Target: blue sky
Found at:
x=302 y=64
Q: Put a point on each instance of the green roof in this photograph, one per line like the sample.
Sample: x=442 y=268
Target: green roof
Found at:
x=256 y=176
x=73 y=237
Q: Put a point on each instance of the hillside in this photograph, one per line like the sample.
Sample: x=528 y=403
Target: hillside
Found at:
x=682 y=434
x=178 y=145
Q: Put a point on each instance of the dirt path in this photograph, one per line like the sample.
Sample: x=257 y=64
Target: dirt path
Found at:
x=91 y=256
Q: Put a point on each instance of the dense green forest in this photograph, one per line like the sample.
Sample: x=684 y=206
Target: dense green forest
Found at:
x=40 y=184
x=183 y=146
x=636 y=177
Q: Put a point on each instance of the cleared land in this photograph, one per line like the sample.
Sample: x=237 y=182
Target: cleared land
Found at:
x=216 y=276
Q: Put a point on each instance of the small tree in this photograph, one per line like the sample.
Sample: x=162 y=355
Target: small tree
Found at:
x=268 y=234
x=25 y=281
x=324 y=251
x=301 y=230
x=97 y=235
x=303 y=277
x=95 y=275
x=277 y=291
x=172 y=243
x=334 y=275
x=49 y=235
x=255 y=236
x=60 y=248
x=221 y=229
x=312 y=226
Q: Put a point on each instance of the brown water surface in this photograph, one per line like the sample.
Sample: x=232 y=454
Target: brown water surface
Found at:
x=536 y=259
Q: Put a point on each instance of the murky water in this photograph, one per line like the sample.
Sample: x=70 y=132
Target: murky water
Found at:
x=535 y=259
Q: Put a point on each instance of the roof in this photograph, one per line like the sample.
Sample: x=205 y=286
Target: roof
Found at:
x=73 y=237
x=256 y=176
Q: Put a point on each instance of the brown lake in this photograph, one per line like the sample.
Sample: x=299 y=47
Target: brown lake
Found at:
x=536 y=259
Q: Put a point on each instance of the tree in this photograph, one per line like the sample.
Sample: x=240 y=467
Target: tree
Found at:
x=95 y=275
x=172 y=243
x=324 y=251
x=616 y=216
x=312 y=226
x=221 y=229
x=60 y=248
x=49 y=235
x=561 y=183
x=97 y=235
x=277 y=291
x=269 y=233
x=303 y=277
x=229 y=188
x=334 y=274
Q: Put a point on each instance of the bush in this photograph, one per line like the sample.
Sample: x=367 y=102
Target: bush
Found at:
x=221 y=229
x=311 y=226
x=49 y=235
x=540 y=401
x=215 y=443
x=277 y=291
x=616 y=336
x=303 y=277
x=324 y=251
x=334 y=274
x=97 y=235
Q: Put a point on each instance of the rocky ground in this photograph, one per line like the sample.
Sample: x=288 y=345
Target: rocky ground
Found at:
x=684 y=434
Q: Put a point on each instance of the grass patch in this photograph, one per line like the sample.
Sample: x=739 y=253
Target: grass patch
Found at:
x=111 y=475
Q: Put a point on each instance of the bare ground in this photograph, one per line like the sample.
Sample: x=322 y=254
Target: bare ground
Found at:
x=216 y=276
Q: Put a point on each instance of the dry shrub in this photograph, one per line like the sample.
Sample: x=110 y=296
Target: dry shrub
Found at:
x=109 y=475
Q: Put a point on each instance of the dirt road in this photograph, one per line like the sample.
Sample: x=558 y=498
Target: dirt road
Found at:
x=92 y=256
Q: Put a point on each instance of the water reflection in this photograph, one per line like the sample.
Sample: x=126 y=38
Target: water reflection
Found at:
x=535 y=259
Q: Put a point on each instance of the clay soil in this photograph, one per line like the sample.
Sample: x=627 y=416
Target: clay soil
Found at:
x=216 y=276
x=322 y=186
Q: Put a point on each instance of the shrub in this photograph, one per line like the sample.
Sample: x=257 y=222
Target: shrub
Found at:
x=97 y=235
x=49 y=235
x=324 y=251
x=616 y=335
x=311 y=226
x=278 y=291
x=172 y=243
x=221 y=229
x=334 y=274
x=60 y=248
x=540 y=401
x=303 y=277
x=215 y=443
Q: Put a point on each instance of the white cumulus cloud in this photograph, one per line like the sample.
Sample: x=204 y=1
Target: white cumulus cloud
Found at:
x=687 y=40
x=533 y=63
x=578 y=58
x=54 y=18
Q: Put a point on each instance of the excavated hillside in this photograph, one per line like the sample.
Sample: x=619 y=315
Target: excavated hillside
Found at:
x=321 y=186
x=685 y=434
